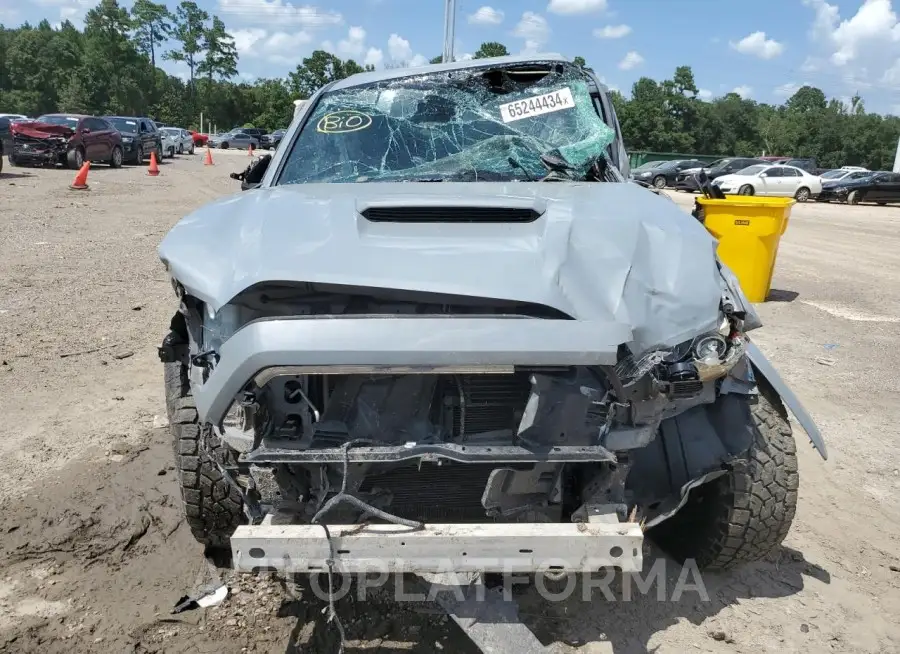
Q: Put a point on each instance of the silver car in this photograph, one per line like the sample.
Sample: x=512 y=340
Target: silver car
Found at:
x=237 y=140
x=180 y=138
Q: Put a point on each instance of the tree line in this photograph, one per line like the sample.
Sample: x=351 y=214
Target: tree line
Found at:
x=111 y=67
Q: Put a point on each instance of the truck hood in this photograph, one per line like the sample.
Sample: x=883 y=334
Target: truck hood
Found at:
x=598 y=251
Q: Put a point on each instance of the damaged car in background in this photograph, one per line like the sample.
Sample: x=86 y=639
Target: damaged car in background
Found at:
x=66 y=139
x=443 y=325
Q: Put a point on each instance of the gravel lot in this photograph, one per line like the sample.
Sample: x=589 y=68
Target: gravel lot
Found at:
x=94 y=551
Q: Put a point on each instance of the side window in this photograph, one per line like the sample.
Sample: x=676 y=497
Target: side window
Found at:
x=99 y=125
x=775 y=172
x=790 y=172
x=4 y=123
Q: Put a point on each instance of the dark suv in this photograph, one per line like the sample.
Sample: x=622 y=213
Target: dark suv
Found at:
x=269 y=141
x=686 y=181
x=5 y=139
x=139 y=137
x=255 y=132
x=69 y=139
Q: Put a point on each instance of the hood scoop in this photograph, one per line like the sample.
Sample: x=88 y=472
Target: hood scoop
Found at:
x=453 y=214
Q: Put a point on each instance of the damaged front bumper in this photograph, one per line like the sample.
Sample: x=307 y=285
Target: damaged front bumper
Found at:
x=400 y=345
x=487 y=547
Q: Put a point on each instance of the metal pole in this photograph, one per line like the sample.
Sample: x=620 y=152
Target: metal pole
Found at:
x=449 y=30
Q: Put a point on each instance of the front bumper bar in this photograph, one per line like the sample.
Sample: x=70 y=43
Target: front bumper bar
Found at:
x=379 y=345
x=489 y=547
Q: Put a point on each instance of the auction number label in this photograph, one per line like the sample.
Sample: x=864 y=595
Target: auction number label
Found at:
x=537 y=105
x=343 y=121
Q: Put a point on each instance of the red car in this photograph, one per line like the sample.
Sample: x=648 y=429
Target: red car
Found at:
x=68 y=139
x=199 y=139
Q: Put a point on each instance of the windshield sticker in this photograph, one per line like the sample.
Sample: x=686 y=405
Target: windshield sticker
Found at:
x=130 y=122
x=343 y=121
x=537 y=105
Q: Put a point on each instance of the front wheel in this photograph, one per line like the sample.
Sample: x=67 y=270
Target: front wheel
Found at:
x=746 y=513
x=115 y=161
x=224 y=145
x=853 y=198
x=746 y=189
x=75 y=158
x=213 y=508
x=802 y=194
x=659 y=182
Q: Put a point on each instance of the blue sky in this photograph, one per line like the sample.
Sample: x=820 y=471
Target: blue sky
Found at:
x=764 y=49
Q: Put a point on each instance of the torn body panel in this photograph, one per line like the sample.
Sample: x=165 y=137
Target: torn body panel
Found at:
x=40 y=143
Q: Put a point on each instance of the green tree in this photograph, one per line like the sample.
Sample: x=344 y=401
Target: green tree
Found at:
x=152 y=24
x=436 y=60
x=221 y=56
x=190 y=27
x=319 y=69
x=579 y=61
x=491 y=49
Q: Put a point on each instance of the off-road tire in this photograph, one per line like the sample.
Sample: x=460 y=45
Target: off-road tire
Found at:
x=212 y=507
x=746 y=189
x=743 y=515
x=853 y=198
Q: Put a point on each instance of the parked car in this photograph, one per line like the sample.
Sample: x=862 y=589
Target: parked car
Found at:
x=839 y=174
x=139 y=137
x=664 y=174
x=238 y=140
x=184 y=143
x=200 y=140
x=270 y=141
x=878 y=187
x=14 y=117
x=169 y=144
x=777 y=180
x=6 y=143
x=686 y=179
x=255 y=132
x=68 y=139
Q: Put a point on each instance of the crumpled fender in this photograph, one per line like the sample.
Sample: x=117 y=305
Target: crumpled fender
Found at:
x=765 y=369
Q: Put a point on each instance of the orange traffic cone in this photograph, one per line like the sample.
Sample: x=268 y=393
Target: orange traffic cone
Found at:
x=250 y=150
x=208 y=161
x=153 y=170
x=80 y=182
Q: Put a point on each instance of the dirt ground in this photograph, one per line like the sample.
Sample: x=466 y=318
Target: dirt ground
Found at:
x=94 y=552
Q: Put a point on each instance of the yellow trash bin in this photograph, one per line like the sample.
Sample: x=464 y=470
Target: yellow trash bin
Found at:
x=748 y=229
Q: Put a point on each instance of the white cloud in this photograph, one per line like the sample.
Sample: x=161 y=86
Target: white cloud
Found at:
x=275 y=47
x=569 y=7
x=374 y=57
x=758 y=45
x=744 y=91
x=486 y=16
x=704 y=94
x=279 y=12
x=534 y=29
x=400 y=52
x=399 y=48
x=612 y=31
x=354 y=45
x=71 y=10
x=631 y=60
x=787 y=89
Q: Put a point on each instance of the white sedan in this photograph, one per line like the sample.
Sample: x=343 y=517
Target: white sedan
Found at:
x=763 y=179
x=182 y=139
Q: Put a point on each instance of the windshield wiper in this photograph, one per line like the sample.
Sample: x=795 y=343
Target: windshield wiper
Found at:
x=515 y=164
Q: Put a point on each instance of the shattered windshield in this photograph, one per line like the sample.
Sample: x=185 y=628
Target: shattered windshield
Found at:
x=470 y=125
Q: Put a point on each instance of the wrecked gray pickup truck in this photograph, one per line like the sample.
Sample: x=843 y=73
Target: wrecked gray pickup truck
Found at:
x=444 y=326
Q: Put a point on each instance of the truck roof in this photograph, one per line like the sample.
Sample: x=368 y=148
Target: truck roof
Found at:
x=396 y=73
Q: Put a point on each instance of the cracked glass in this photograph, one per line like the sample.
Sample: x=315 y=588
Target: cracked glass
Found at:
x=469 y=125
